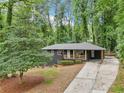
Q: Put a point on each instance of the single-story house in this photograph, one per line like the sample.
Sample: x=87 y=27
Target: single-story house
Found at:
x=76 y=51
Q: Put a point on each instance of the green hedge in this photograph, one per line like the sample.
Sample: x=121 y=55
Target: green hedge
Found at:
x=70 y=62
x=78 y=62
x=67 y=62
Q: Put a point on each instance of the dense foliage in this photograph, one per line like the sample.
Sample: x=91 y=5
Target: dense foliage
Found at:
x=21 y=50
x=28 y=25
x=120 y=28
x=21 y=43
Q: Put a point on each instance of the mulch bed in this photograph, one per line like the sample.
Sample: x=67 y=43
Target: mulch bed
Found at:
x=33 y=81
x=13 y=85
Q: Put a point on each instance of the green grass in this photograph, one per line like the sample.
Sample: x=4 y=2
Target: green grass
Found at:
x=118 y=86
x=118 y=89
x=49 y=75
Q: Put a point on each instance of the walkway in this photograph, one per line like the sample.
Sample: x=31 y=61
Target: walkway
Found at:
x=95 y=77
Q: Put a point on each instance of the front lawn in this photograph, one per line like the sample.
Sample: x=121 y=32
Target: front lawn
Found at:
x=39 y=80
x=118 y=86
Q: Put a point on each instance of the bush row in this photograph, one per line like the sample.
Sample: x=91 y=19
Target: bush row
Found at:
x=70 y=62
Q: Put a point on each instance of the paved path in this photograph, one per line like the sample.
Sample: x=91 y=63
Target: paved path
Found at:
x=95 y=77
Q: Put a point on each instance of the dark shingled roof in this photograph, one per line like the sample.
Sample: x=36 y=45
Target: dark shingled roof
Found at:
x=74 y=46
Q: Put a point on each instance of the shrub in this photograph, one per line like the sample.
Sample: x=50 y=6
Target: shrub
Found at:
x=49 y=74
x=67 y=62
x=20 y=50
x=78 y=62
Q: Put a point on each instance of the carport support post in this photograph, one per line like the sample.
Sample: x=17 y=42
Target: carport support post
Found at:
x=85 y=54
x=73 y=54
x=102 y=55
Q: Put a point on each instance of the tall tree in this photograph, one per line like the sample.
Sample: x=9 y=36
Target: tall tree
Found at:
x=104 y=23
x=1 y=26
x=21 y=44
x=120 y=28
x=80 y=13
x=10 y=12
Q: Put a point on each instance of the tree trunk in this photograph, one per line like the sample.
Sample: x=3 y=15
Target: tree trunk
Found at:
x=9 y=12
x=0 y=20
x=86 y=33
x=21 y=77
x=50 y=22
x=93 y=34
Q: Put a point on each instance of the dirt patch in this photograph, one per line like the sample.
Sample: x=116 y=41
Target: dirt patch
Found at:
x=66 y=75
x=13 y=85
x=33 y=81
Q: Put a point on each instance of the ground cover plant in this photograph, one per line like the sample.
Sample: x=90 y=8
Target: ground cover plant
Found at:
x=118 y=86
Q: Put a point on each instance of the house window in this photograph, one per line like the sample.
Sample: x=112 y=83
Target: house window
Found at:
x=82 y=53
x=59 y=52
x=79 y=54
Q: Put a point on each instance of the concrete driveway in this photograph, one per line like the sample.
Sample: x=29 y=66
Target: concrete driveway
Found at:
x=95 y=77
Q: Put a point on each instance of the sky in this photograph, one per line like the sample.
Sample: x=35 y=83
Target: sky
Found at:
x=52 y=13
x=3 y=0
